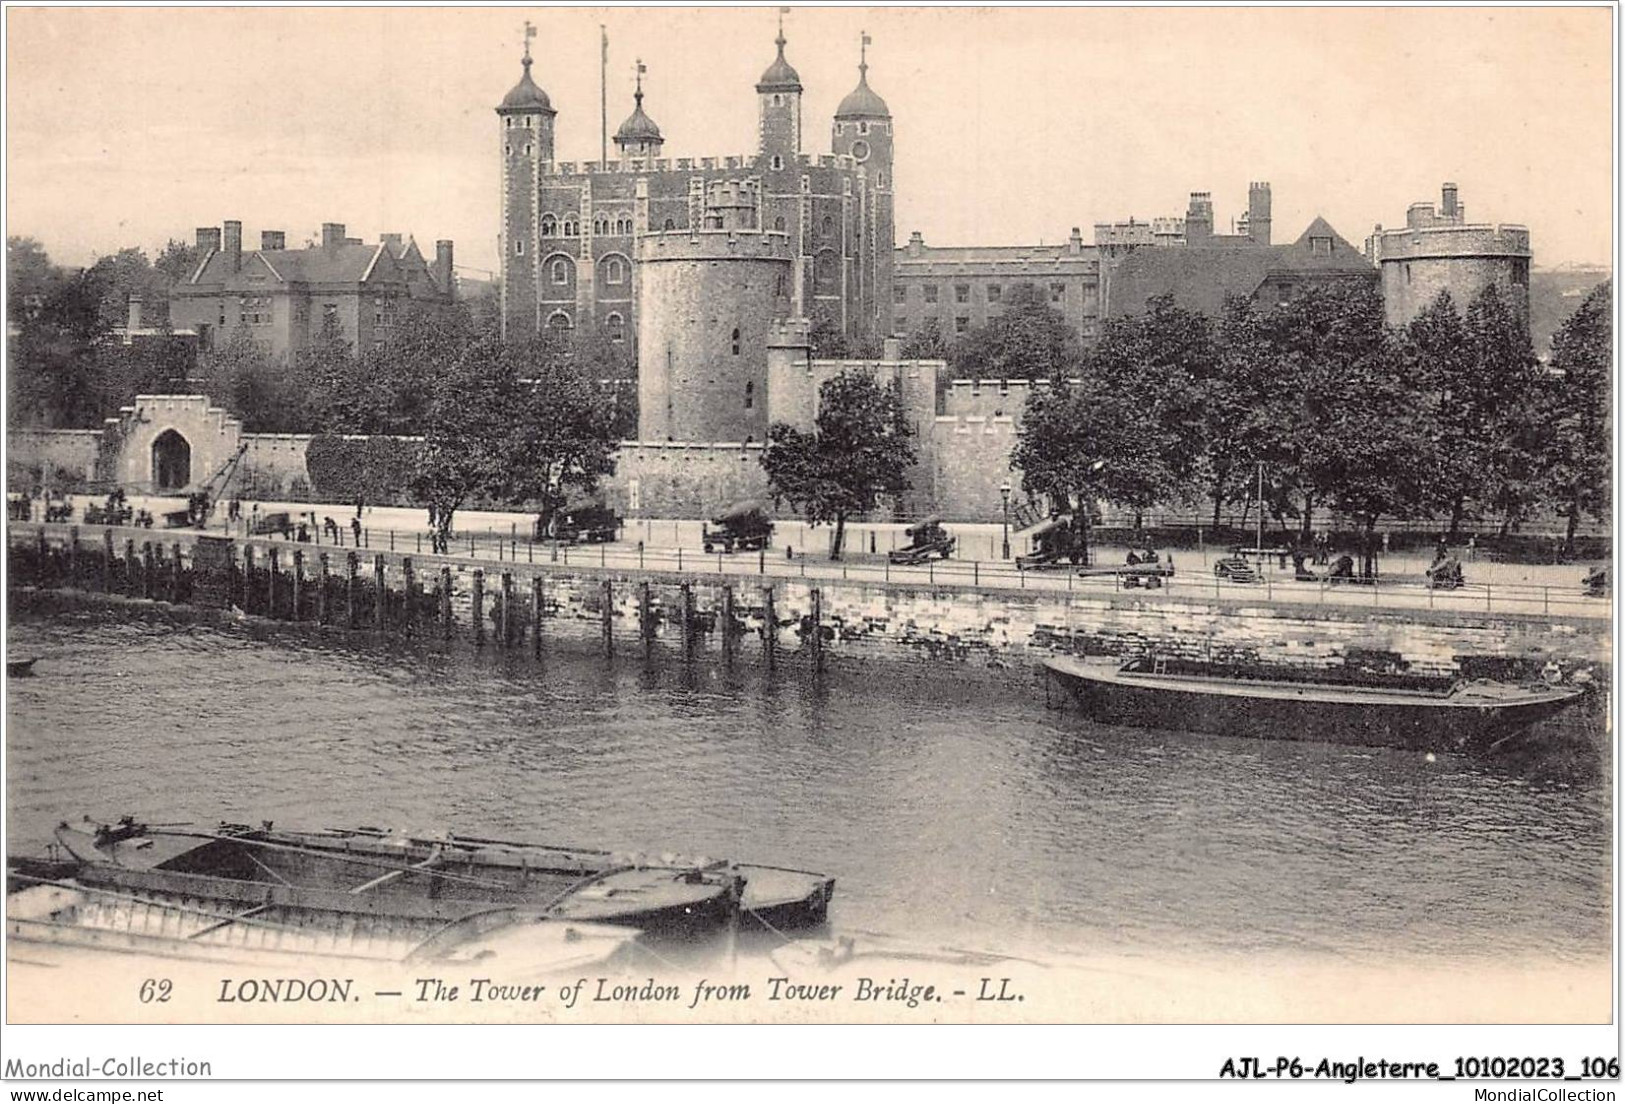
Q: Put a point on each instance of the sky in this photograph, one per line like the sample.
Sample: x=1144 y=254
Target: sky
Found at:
x=131 y=126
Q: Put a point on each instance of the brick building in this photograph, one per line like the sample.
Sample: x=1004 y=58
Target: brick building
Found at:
x=959 y=288
x=285 y=297
x=1439 y=250
x=571 y=231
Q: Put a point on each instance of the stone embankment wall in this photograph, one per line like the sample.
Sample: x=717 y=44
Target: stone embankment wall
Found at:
x=773 y=620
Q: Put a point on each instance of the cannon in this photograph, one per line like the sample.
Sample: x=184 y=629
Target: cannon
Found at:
x=1445 y=574
x=927 y=538
x=58 y=507
x=742 y=527
x=275 y=524
x=1598 y=582
x=1056 y=544
x=116 y=511
x=1236 y=568
x=594 y=523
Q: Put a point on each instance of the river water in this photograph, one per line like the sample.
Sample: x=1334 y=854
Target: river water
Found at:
x=949 y=808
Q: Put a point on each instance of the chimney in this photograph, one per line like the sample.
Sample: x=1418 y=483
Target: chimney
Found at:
x=916 y=244
x=1258 y=212
x=391 y=240
x=234 y=243
x=273 y=240
x=332 y=235
x=1074 y=244
x=208 y=239
x=443 y=273
x=1447 y=206
x=1199 y=219
x=133 y=322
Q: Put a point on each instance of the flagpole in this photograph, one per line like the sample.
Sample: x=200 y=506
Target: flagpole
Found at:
x=603 y=95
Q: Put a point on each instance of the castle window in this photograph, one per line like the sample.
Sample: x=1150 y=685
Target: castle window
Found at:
x=561 y=271
x=736 y=340
x=558 y=320
x=510 y=122
x=778 y=162
x=783 y=285
x=1407 y=272
x=929 y=293
x=899 y=294
x=615 y=326
x=550 y=225
x=600 y=224
x=863 y=128
x=1057 y=293
x=880 y=180
x=961 y=324
x=623 y=226
x=778 y=223
x=519 y=247
x=778 y=99
x=527 y=122
x=962 y=293
x=669 y=225
x=750 y=395
x=614 y=271
x=827 y=226
x=507 y=148
x=527 y=149
x=994 y=293
x=572 y=227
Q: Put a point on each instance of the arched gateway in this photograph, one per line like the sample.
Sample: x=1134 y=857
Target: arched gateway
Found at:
x=171 y=462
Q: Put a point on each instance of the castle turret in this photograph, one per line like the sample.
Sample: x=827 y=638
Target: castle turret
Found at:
x=863 y=131
x=525 y=128
x=778 y=96
x=639 y=136
x=1439 y=250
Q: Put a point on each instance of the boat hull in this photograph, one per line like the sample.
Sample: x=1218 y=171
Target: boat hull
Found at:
x=1278 y=711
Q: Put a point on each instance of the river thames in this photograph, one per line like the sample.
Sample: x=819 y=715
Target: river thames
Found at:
x=951 y=809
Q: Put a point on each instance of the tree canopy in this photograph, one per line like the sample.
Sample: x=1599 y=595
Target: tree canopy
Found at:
x=1027 y=339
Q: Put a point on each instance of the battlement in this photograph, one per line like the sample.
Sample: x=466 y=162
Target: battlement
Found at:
x=702 y=244
x=1451 y=240
x=987 y=425
x=638 y=165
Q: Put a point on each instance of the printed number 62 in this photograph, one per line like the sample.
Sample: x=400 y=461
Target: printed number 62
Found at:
x=158 y=990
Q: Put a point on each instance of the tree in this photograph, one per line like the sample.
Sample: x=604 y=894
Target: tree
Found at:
x=858 y=451
x=1028 y=339
x=1441 y=366
x=1502 y=432
x=828 y=341
x=512 y=422
x=177 y=262
x=1576 y=404
x=55 y=376
x=926 y=343
x=30 y=277
x=1229 y=398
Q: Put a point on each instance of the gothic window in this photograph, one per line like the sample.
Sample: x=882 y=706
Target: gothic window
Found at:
x=736 y=340
x=827 y=226
x=669 y=225
x=615 y=326
x=600 y=225
x=929 y=292
x=614 y=271
x=623 y=226
x=750 y=395
x=550 y=225
x=558 y=320
x=572 y=226
x=778 y=223
x=561 y=271
x=863 y=128
x=778 y=99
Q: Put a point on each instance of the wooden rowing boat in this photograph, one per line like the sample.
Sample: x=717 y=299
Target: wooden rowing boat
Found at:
x=18 y=668
x=54 y=923
x=1465 y=715
x=439 y=879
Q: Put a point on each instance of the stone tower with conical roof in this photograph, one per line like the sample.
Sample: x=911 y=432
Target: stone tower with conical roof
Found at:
x=863 y=131
x=525 y=130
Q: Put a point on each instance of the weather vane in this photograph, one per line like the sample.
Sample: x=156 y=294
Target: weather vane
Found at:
x=530 y=33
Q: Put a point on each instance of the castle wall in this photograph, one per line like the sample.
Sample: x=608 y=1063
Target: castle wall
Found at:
x=969 y=458
x=273 y=467
x=683 y=480
x=1419 y=262
x=70 y=452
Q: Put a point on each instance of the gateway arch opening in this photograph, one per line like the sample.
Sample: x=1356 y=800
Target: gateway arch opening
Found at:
x=171 y=462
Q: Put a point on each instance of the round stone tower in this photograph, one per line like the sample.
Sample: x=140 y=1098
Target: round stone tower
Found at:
x=1439 y=250
x=707 y=302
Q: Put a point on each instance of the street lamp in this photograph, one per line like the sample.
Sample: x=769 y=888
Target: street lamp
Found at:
x=1004 y=493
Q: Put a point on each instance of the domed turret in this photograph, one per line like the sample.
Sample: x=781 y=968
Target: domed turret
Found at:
x=781 y=76
x=862 y=102
x=639 y=136
x=526 y=95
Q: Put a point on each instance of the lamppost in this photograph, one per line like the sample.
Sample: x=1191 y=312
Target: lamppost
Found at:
x=1004 y=493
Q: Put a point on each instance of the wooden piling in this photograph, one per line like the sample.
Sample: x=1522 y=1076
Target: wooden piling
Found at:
x=479 y=606
x=410 y=590
x=352 y=568
x=507 y=609
x=175 y=572
x=609 y=619
x=688 y=620
x=445 y=602
x=157 y=571
x=729 y=635
x=770 y=628
x=129 y=567
x=646 y=619
x=107 y=561
x=73 y=555
x=380 y=596
x=248 y=578
x=271 y=558
x=298 y=582
x=817 y=628
x=536 y=615
x=321 y=590
x=148 y=568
